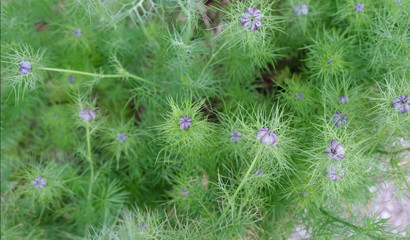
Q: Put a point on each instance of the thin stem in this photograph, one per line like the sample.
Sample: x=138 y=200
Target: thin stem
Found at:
x=232 y=198
x=378 y=139
x=212 y=58
x=396 y=165
x=97 y=74
x=90 y=160
x=354 y=227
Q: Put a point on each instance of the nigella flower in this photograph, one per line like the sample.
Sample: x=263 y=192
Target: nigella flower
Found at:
x=301 y=9
x=300 y=96
x=343 y=99
x=335 y=150
x=235 y=136
x=25 y=67
x=335 y=171
x=77 y=32
x=304 y=194
x=252 y=18
x=358 y=7
x=39 y=182
x=330 y=62
x=397 y=2
x=121 y=137
x=402 y=103
x=142 y=226
x=87 y=114
x=184 y=192
x=185 y=122
x=266 y=136
x=258 y=171
x=339 y=118
x=71 y=79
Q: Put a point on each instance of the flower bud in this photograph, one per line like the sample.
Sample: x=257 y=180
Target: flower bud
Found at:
x=358 y=7
x=401 y=103
x=335 y=150
x=258 y=171
x=300 y=96
x=339 y=118
x=304 y=194
x=301 y=9
x=87 y=114
x=39 y=182
x=77 y=32
x=266 y=136
x=184 y=192
x=121 y=137
x=235 y=136
x=71 y=79
x=335 y=171
x=343 y=99
x=252 y=18
x=142 y=226
x=330 y=62
x=25 y=67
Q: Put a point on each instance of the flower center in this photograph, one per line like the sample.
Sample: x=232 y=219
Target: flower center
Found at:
x=333 y=151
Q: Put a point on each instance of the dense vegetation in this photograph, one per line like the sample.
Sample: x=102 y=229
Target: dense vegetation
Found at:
x=190 y=119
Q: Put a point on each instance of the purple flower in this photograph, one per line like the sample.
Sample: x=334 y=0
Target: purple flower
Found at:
x=184 y=192
x=39 y=182
x=358 y=7
x=142 y=226
x=343 y=99
x=304 y=194
x=335 y=171
x=235 y=136
x=71 y=79
x=258 y=171
x=77 y=32
x=25 y=67
x=185 y=122
x=266 y=136
x=335 y=150
x=87 y=114
x=330 y=62
x=300 y=96
x=301 y=9
x=121 y=137
x=339 y=118
x=397 y=2
x=252 y=18
x=402 y=103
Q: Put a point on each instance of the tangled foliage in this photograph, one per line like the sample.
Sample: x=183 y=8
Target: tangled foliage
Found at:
x=200 y=119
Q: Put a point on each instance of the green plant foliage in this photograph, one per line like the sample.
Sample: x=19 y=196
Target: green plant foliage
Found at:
x=202 y=119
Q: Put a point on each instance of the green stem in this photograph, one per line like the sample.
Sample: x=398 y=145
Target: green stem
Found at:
x=395 y=164
x=97 y=74
x=90 y=160
x=354 y=227
x=378 y=139
x=212 y=58
x=232 y=199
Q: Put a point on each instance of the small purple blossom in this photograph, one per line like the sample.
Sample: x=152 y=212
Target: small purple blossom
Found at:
x=335 y=150
x=330 y=62
x=335 y=171
x=304 y=194
x=258 y=171
x=185 y=122
x=142 y=226
x=343 y=99
x=235 y=136
x=77 y=32
x=358 y=7
x=25 y=67
x=87 y=114
x=301 y=9
x=401 y=103
x=339 y=119
x=267 y=137
x=71 y=79
x=185 y=192
x=397 y=2
x=252 y=18
x=39 y=182
x=300 y=96
x=56 y=116
x=121 y=137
